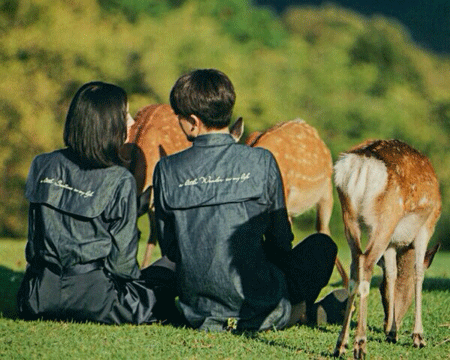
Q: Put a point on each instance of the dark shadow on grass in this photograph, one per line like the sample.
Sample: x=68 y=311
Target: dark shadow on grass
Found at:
x=429 y=283
x=9 y=284
x=256 y=337
x=282 y=344
x=436 y=284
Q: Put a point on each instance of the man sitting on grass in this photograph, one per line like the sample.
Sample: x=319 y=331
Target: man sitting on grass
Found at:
x=221 y=217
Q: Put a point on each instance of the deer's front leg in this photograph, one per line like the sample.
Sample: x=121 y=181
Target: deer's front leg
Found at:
x=364 y=277
x=421 y=242
x=152 y=240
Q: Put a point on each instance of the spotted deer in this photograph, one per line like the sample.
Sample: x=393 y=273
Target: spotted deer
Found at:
x=392 y=189
x=155 y=133
x=306 y=169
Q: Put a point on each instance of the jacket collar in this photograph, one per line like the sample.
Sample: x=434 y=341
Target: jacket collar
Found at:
x=213 y=140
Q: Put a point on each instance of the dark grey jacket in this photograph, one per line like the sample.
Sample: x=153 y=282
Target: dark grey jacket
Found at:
x=79 y=218
x=219 y=209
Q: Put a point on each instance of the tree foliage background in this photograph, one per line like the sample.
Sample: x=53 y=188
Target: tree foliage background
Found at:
x=352 y=77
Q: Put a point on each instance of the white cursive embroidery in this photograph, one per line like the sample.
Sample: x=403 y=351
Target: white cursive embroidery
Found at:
x=61 y=184
x=210 y=180
x=215 y=180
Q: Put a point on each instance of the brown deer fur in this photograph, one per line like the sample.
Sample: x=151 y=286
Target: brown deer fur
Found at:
x=152 y=129
x=155 y=130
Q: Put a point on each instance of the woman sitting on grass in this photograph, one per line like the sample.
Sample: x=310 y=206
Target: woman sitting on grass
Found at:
x=82 y=236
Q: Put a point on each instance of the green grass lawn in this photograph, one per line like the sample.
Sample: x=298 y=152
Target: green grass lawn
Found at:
x=57 y=340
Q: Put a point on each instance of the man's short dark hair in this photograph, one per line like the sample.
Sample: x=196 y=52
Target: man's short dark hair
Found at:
x=95 y=127
x=206 y=93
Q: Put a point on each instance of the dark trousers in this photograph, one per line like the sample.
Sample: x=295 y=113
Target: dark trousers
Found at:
x=308 y=268
x=87 y=293
x=160 y=277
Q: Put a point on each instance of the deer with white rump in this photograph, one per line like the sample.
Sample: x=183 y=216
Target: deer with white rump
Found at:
x=393 y=190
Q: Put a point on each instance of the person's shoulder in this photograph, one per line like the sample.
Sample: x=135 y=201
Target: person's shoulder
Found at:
x=118 y=171
x=48 y=160
x=179 y=157
x=62 y=157
x=254 y=152
x=48 y=156
x=115 y=177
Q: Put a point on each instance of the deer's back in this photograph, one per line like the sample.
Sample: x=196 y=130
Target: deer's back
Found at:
x=155 y=133
x=301 y=154
x=407 y=169
x=304 y=160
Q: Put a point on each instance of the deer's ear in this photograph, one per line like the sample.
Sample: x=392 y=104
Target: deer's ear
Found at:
x=429 y=255
x=162 y=151
x=237 y=129
x=253 y=138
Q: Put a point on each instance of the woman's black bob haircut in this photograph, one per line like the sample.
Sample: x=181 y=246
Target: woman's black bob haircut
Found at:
x=95 y=127
x=206 y=93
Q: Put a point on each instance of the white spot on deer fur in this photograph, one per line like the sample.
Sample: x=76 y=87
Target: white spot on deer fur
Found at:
x=423 y=200
x=363 y=289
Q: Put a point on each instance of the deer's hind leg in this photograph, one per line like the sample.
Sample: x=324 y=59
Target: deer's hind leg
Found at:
x=379 y=239
x=324 y=209
x=353 y=235
x=152 y=239
x=420 y=244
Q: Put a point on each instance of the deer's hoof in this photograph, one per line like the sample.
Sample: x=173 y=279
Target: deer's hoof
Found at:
x=340 y=350
x=359 y=354
x=391 y=337
x=418 y=341
x=359 y=350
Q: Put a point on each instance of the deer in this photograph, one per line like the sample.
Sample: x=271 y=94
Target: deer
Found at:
x=306 y=169
x=392 y=189
x=153 y=133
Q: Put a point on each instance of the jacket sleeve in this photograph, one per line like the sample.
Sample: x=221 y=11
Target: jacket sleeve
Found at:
x=121 y=215
x=278 y=237
x=165 y=228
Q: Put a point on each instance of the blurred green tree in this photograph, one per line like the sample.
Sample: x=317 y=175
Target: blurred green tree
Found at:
x=351 y=77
